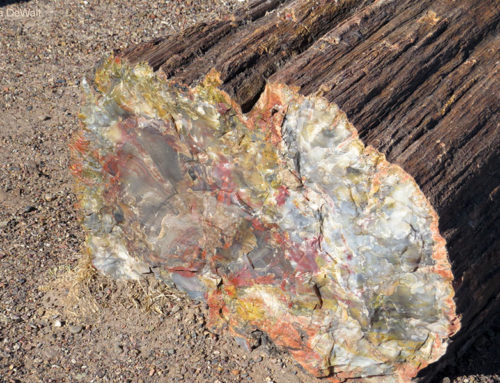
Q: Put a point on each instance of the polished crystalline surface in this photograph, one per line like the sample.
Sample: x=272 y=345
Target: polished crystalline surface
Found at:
x=281 y=220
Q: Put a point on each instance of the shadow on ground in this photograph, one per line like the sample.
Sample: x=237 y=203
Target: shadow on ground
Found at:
x=9 y=2
x=481 y=358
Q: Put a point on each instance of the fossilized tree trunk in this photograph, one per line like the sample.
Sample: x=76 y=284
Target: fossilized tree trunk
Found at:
x=419 y=80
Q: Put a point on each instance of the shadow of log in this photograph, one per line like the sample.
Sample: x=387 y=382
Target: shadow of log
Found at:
x=10 y=2
x=481 y=358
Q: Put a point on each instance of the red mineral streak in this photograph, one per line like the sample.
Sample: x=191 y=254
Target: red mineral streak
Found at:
x=283 y=194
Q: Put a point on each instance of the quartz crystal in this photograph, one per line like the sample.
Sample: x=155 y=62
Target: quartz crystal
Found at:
x=281 y=220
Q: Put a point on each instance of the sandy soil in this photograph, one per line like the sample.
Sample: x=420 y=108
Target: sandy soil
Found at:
x=59 y=320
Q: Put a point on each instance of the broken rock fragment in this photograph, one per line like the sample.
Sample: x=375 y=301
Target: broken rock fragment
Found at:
x=280 y=219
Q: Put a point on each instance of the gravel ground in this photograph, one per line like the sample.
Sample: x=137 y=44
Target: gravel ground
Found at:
x=59 y=320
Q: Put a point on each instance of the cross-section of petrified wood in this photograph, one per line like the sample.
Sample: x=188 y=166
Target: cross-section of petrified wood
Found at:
x=281 y=220
x=419 y=80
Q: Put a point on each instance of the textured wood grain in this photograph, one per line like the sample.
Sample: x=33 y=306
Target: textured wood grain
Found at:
x=247 y=48
x=419 y=80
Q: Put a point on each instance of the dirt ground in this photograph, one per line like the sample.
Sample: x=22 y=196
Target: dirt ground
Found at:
x=59 y=320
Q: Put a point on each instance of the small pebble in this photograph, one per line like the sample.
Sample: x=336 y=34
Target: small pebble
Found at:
x=101 y=374
x=175 y=309
x=29 y=209
x=75 y=329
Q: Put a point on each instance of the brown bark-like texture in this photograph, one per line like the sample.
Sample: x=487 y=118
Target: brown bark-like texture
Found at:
x=419 y=80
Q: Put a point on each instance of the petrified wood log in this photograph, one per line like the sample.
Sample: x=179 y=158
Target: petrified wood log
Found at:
x=418 y=79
